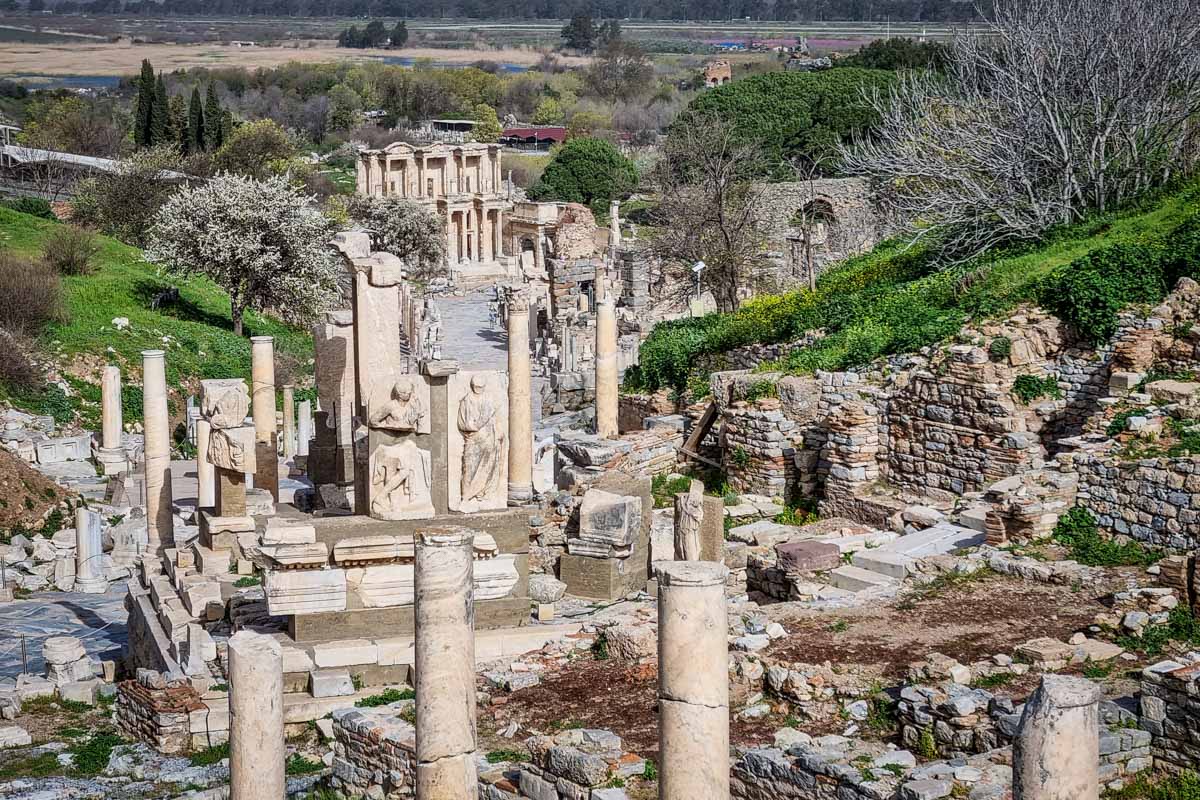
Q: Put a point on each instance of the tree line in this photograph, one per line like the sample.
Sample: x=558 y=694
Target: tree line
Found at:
x=195 y=127
x=782 y=10
x=374 y=35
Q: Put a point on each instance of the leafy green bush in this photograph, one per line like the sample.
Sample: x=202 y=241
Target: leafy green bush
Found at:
x=1120 y=421
x=1076 y=530
x=664 y=488
x=299 y=765
x=502 y=756
x=1185 y=786
x=386 y=697
x=1030 y=387
x=796 y=115
x=71 y=250
x=588 y=171
x=1088 y=292
x=34 y=206
x=1000 y=348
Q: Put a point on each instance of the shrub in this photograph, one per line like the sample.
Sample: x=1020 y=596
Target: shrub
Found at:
x=1088 y=292
x=17 y=371
x=386 y=697
x=587 y=171
x=31 y=295
x=1000 y=348
x=70 y=250
x=1076 y=530
x=34 y=206
x=1030 y=387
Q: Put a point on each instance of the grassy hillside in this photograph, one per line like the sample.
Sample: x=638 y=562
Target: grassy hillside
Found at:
x=195 y=331
x=896 y=299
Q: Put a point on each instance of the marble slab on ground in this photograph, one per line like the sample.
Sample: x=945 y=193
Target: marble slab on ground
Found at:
x=97 y=619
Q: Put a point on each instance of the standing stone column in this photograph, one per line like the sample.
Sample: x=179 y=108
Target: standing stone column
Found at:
x=614 y=227
x=156 y=422
x=693 y=681
x=304 y=427
x=1057 y=747
x=289 y=421
x=205 y=477
x=257 y=751
x=112 y=451
x=89 y=553
x=606 y=370
x=520 y=402
x=262 y=406
x=445 y=664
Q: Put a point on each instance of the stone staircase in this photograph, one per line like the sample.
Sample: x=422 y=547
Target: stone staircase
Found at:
x=888 y=563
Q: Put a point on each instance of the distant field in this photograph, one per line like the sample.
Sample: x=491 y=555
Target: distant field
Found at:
x=8 y=35
x=125 y=59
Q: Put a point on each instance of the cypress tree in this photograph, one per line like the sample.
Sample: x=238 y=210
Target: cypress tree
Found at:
x=400 y=35
x=160 y=114
x=144 y=107
x=195 y=138
x=213 y=137
x=178 y=116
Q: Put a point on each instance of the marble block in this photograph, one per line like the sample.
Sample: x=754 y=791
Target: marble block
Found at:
x=383 y=586
x=368 y=549
x=305 y=591
x=281 y=531
x=609 y=525
x=297 y=556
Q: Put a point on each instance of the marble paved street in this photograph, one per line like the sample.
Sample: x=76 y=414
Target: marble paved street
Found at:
x=468 y=334
x=97 y=619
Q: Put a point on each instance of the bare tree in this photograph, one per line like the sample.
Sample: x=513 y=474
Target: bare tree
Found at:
x=706 y=207
x=1059 y=108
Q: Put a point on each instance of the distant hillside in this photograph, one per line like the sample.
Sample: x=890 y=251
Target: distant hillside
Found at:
x=194 y=329
x=897 y=299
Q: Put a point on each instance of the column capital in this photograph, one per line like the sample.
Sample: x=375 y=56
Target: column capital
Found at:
x=262 y=339
x=153 y=354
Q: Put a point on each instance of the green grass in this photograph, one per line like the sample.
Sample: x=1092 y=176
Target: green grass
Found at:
x=201 y=344
x=1076 y=530
x=40 y=766
x=92 y=754
x=894 y=299
x=1185 y=786
x=247 y=581
x=501 y=756
x=997 y=680
x=210 y=755
x=299 y=765
x=385 y=697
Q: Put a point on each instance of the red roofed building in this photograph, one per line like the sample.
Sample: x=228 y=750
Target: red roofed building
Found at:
x=534 y=137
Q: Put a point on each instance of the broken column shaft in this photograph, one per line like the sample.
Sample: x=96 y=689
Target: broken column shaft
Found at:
x=157 y=426
x=520 y=402
x=262 y=407
x=606 y=370
x=257 y=751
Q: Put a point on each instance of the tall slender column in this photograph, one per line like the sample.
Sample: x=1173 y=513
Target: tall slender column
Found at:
x=206 y=495
x=445 y=664
x=156 y=422
x=262 y=406
x=112 y=451
x=520 y=403
x=289 y=421
x=257 y=751
x=304 y=427
x=1056 y=749
x=498 y=235
x=606 y=370
x=693 y=681
x=89 y=553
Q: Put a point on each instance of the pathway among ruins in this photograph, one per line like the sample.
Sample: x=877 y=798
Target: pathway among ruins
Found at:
x=98 y=620
x=468 y=334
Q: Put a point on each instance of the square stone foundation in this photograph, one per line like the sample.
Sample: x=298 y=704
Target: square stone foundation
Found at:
x=606 y=578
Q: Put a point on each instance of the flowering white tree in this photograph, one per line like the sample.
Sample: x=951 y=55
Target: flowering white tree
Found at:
x=262 y=241
x=412 y=233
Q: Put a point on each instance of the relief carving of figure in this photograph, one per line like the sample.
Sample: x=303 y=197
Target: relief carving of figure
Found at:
x=689 y=514
x=483 y=444
x=224 y=403
x=403 y=412
x=400 y=480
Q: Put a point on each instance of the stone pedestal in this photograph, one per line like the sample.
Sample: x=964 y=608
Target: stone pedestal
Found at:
x=289 y=422
x=693 y=681
x=257 y=752
x=206 y=492
x=520 y=402
x=1056 y=750
x=304 y=427
x=262 y=404
x=231 y=456
x=89 y=553
x=159 y=500
x=445 y=665
x=607 y=387
x=333 y=343
x=111 y=455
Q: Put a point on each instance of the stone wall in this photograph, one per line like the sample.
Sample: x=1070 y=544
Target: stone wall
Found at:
x=1156 y=501
x=374 y=752
x=154 y=710
x=1171 y=714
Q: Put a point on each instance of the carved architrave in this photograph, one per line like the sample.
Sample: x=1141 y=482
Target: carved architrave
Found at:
x=233 y=449
x=224 y=403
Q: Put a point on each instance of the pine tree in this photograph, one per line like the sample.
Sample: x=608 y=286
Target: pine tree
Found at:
x=213 y=136
x=144 y=107
x=195 y=138
x=178 y=116
x=400 y=35
x=160 y=114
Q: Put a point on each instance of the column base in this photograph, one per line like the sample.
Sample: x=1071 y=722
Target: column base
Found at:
x=520 y=493
x=112 y=460
x=91 y=585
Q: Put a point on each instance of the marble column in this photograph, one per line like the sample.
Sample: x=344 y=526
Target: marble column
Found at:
x=520 y=402
x=1056 y=750
x=304 y=427
x=614 y=226
x=539 y=253
x=289 y=421
x=89 y=553
x=257 y=751
x=262 y=407
x=693 y=681
x=498 y=234
x=112 y=451
x=606 y=370
x=206 y=478
x=157 y=427
x=445 y=664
